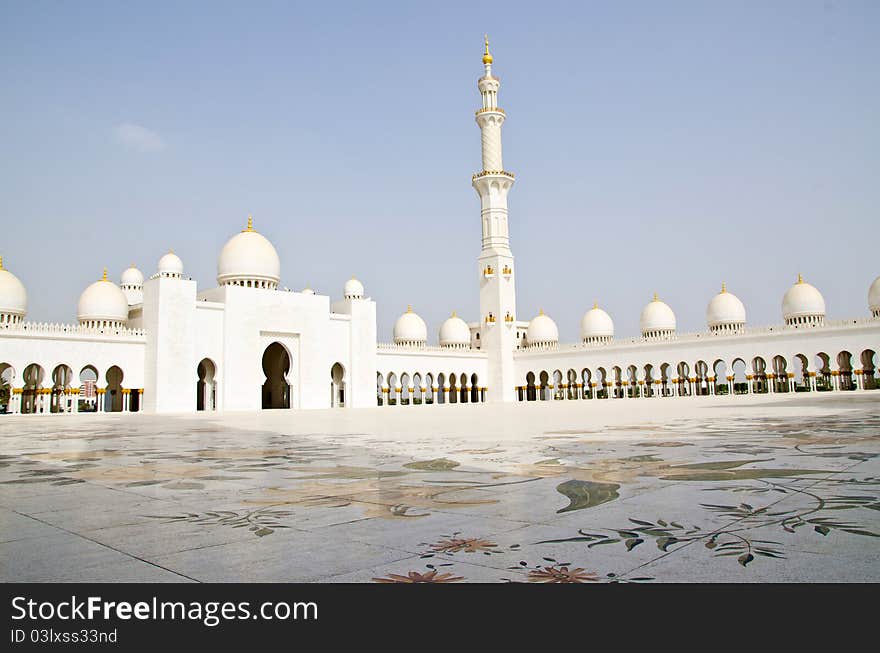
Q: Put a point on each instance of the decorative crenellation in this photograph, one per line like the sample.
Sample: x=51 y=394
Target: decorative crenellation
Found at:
x=85 y=329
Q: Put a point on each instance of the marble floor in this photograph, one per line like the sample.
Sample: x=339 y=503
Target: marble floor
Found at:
x=771 y=489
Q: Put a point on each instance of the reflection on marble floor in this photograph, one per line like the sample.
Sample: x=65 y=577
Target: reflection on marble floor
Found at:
x=752 y=499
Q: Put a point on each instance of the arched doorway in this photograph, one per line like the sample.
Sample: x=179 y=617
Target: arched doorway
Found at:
x=88 y=398
x=113 y=391
x=7 y=378
x=206 y=386
x=276 y=365
x=32 y=392
x=62 y=377
x=337 y=386
x=869 y=370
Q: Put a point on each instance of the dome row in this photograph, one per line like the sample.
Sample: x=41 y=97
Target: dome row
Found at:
x=247 y=259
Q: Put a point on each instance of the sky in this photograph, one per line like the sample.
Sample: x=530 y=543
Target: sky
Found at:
x=658 y=147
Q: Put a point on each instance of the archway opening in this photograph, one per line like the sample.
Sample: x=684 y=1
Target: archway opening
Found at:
x=113 y=391
x=276 y=365
x=418 y=397
x=531 y=392
x=62 y=378
x=430 y=388
x=780 y=374
x=740 y=381
x=475 y=389
x=801 y=373
x=206 y=386
x=32 y=397
x=845 y=370
x=7 y=379
x=684 y=384
x=88 y=388
x=759 y=372
x=824 y=382
x=587 y=384
x=602 y=383
x=869 y=369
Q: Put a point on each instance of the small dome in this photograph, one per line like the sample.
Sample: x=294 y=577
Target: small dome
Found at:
x=103 y=301
x=725 y=309
x=353 y=289
x=454 y=332
x=249 y=258
x=874 y=297
x=803 y=304
x=307 y=291
x=170 y=265
x=657 y=319
x=13 y=296
x=596 y=324
x=410 y=329
x=131 y=276
x=542 y=331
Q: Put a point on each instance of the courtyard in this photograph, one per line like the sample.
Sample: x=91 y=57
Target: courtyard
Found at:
x=779 y=488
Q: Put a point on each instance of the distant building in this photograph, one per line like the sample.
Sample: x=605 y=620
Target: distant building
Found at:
x=162 y=345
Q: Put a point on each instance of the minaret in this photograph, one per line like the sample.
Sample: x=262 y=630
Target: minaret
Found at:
x=497 y=289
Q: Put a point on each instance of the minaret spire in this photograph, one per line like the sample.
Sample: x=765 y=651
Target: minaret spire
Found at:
x=496 y=270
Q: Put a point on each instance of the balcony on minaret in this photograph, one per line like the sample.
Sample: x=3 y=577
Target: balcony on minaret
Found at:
x=506 y=271
x=490 y=319
x=489 y=272
x=508 y=319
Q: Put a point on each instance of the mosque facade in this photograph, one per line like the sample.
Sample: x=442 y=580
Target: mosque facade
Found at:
x=161 y=345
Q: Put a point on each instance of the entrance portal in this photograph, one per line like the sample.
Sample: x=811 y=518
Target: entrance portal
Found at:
x=276 y=365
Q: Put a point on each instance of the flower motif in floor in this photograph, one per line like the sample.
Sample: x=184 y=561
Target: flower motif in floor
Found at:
x=432 y=576
x=466 y=544
x=562 y=574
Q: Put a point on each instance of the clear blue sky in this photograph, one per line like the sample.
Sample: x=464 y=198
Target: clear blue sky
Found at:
x=658 y=146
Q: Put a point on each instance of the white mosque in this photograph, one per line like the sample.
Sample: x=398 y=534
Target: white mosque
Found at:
x=161 y=345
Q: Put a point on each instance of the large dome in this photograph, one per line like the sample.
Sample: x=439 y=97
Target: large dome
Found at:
x=725 y=312
x=803 y=304
x=410 y=329
x=542 y=331
x=657 y=319
x=13 y=297
x=102 y=304
x=249 y=259
x=596 y=326
x=454 y=333
x=353 y=289
x=170 y=265
x=874 y=297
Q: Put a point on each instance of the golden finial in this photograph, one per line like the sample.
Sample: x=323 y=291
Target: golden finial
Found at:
x=656 y=298
x=540 y=311
x=800 y=278
x=595 y=305
x=723 y=287
x=1 y=262
x=454 y=314
x=409 y=308
x=104 y=278
x=250 y=226
x=170 y=250
x=487 y=58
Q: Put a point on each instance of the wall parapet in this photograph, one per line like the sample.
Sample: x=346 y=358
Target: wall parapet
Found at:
x=56 y=329
x=775 y=330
